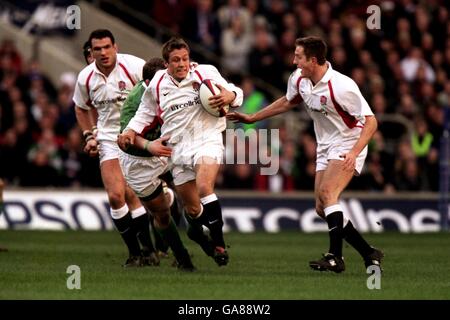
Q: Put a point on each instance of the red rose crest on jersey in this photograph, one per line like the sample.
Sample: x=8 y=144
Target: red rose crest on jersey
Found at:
x=122 y=85
x=196 y=86
x=323 y=104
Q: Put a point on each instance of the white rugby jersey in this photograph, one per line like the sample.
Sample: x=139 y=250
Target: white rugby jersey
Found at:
x=178 y=104
x=335 y=104
x=107 y=94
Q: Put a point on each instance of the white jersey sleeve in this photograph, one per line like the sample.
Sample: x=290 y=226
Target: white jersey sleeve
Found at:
x=80 y=95
x=351 y=100
x=146 y=112
x=292 y=85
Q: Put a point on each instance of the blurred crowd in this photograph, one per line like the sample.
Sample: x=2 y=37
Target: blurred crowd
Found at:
x=40 y=142
x=402 y=70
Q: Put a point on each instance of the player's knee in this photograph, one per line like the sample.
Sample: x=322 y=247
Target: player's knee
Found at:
x=163 y=218
x=159 y=206
x=192 y=209
x=325 y=195
x=116 y=198
x=205 y=188
x=319 y=211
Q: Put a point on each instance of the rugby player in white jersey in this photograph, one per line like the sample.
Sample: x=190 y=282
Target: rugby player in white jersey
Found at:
x=195 y=137
x=343 y=125
x=104 y=85
x=145 y=164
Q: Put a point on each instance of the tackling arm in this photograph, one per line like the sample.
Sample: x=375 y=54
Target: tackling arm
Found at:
x=156 y=147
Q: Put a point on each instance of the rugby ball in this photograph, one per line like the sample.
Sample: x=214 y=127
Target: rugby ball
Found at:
x=206 y=90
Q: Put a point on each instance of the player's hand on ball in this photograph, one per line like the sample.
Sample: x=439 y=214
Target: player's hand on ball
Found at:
x=225 y=97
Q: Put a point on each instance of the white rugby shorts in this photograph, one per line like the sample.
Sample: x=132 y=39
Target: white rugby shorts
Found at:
x=108 y=150
x=187 y=153
x=142 y=173
x=333 y=152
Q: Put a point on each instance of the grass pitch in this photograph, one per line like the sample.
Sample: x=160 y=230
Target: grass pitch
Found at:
x=262 y=266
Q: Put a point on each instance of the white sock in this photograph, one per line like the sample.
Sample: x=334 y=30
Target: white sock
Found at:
x=136 y=213
x=210 y=198
x=329 y=210
x=119 y=213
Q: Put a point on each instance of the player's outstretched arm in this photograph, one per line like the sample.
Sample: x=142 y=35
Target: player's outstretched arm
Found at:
x=239 y=117
x=280 y=105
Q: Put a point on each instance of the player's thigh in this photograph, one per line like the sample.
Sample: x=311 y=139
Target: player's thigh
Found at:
x=112 y=174
x=318 y=180
x=112 y=177
x=131 y=198
x=206 y=173
x=335 y=179
x=189 y=196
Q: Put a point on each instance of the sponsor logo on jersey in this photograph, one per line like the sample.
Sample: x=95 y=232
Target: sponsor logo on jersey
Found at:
x=108 y=101
x=190 y=103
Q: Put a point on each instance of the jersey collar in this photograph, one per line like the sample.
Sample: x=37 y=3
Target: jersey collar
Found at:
x=327 y=76
x=188 y=76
